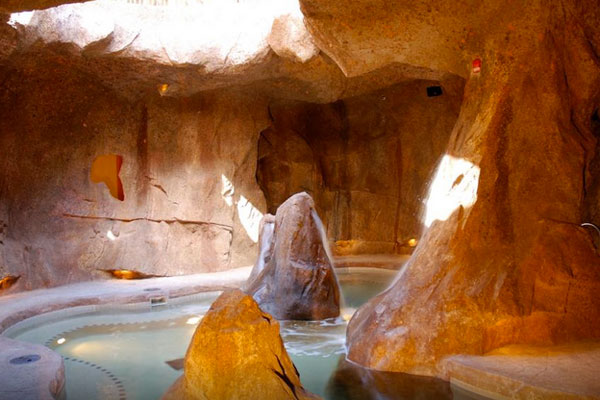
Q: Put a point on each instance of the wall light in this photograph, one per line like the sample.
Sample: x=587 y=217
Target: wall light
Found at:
x=61 y=340
x=127 y=274
x=162 y=89
x=7 y=281
x=193 y=321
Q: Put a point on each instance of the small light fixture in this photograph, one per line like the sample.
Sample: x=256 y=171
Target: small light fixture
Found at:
x=7 y=281
x=193 y=320
x=111 y=235
x=476 y=65
x=127 y=274
x=61 y=340
x=162 y=89
x=412 y=242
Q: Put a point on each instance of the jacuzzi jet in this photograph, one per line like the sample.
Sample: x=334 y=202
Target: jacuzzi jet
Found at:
x=158 y=301
x=28 y=359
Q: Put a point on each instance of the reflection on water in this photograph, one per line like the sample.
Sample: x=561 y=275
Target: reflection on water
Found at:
x=352 y=382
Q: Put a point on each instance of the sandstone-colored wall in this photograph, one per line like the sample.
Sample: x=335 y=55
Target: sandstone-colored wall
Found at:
x=366 y=160
x=510 y=263
x=175 y=218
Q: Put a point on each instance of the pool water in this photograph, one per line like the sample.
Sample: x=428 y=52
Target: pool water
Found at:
x=122 y=353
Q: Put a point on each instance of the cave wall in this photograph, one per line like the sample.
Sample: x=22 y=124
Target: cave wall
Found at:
x=510 y=264
x=366 y=160
x=191 y=199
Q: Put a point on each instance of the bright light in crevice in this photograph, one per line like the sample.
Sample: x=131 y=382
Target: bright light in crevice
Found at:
x=227 y=191
x=250 y=217
x=248 y=214
x=454 y=184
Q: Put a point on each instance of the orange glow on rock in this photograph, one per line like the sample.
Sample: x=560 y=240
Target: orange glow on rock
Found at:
x=106 y=168
x=127 y=274
x=162 y=89
x=7 y=281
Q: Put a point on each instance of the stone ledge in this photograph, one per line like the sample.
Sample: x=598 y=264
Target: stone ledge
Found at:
x=43 y=379
x=526 y=372
x=23 y=305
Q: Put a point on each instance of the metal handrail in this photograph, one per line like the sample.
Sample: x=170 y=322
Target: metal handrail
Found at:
x=593 y=226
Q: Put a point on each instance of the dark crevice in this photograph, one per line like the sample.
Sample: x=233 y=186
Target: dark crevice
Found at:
x=283 y=376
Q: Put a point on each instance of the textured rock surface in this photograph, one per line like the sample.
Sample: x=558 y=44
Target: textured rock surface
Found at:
x=191 y=205
x=511 y=265
x=237 y=353
x=201 y=46
x=290 y=39
x=298 y=281
x=366 y=164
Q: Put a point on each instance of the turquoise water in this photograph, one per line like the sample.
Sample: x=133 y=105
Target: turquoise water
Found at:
x=122 y=353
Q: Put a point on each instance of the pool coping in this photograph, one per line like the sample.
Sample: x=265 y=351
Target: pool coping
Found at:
x=22 y=305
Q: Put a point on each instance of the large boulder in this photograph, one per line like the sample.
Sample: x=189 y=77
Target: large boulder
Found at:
x=237 y=353
x=298 y=281
x=504 y=260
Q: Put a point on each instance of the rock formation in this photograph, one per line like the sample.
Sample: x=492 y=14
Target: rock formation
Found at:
x=504 y=259
x=365 y=164
x=298 y=281
x=191 y=204
x=237 y=353
x=74 y=85
x=508 y=263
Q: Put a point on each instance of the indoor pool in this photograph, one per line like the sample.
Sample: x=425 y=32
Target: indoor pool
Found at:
x=124 y=352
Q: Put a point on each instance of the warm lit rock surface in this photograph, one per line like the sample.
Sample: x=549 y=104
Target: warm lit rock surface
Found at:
x=511 y=265
x=191 y=204
x=298 y=281
x=366 y=164
x=237 y=353
x=43 y=379
x=524 y=372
